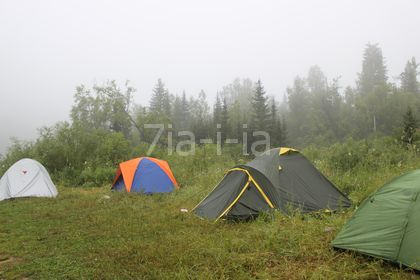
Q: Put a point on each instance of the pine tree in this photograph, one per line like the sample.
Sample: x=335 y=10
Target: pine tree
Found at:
x=157 y=97
x=373 y=92
x=160 y=101
x=374 y=72
x=260 y=116
x=409 y=81
x=409 y=127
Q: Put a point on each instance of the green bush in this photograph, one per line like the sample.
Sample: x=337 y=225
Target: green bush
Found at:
x=99 y=176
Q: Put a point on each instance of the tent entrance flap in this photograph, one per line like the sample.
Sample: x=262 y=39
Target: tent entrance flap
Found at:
x=235 y=200
x=222 y=196
x=256 y=185
x=258 y=193
x=250 y=204
x=237 y=193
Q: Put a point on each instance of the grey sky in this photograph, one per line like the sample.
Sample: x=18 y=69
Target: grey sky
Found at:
x=47 y=48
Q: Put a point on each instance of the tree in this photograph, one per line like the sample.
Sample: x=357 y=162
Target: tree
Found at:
x=409 y=127
x=186 y=120
x=373 y=92
x=409 y=81
x=217 y=111
x=316 y=81
x=118 y=106
x=160 y=101
x=224 y=120
x=260 y=113
x=323 y=100
x=177 y=114
x=275 y=125
x=299 y=104
x=103 y=107
x=238 y=96
x=331 y=107
x=218 y=118
x=200 y=116
x=241 y=92
x=283 y=139
x=314 y=108
x=374 y=72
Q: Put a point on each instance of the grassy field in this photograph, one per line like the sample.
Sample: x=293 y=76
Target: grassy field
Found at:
x=93 y=233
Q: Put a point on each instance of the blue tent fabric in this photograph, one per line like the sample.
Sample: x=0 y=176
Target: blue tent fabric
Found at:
x=119 y=184
x=150 y=178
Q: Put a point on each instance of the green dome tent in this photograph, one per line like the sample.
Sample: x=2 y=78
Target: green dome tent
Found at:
x=279 y=178
x=387 y=224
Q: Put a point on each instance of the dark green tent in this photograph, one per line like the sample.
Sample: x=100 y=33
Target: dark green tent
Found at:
x=280 y=178
x=387 y=224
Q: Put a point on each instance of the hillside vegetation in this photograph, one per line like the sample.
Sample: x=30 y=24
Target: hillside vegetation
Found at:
x=93 y=233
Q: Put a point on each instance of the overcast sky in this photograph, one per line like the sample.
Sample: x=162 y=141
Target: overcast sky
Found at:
x=47 y=48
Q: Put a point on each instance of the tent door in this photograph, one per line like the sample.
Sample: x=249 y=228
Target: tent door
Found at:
x=250 y=204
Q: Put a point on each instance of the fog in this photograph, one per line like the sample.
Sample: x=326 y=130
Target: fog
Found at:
x=47 y=48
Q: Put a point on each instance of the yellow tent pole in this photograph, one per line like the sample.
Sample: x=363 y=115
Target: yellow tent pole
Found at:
x=263 y=194
x=234 y=201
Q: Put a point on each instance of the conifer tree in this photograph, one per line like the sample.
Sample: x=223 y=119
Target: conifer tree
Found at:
x=160 y=101
x=409 y=127
x=409 y=81
x=374 y=72
x=260 y=114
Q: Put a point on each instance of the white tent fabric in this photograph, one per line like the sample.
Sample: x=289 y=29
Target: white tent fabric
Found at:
x=27 y=177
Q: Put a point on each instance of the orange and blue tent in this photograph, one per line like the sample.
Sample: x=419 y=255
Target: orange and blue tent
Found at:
x=145 y=175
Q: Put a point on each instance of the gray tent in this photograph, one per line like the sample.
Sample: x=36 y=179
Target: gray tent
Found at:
x=281 y=178
x=27 y=177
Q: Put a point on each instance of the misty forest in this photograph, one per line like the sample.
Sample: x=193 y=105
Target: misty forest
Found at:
x=359 y=136
x=107 y=127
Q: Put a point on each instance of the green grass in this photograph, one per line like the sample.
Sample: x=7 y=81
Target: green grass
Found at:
x=83 y=234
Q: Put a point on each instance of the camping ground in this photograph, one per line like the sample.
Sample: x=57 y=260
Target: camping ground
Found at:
x=93 y=233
